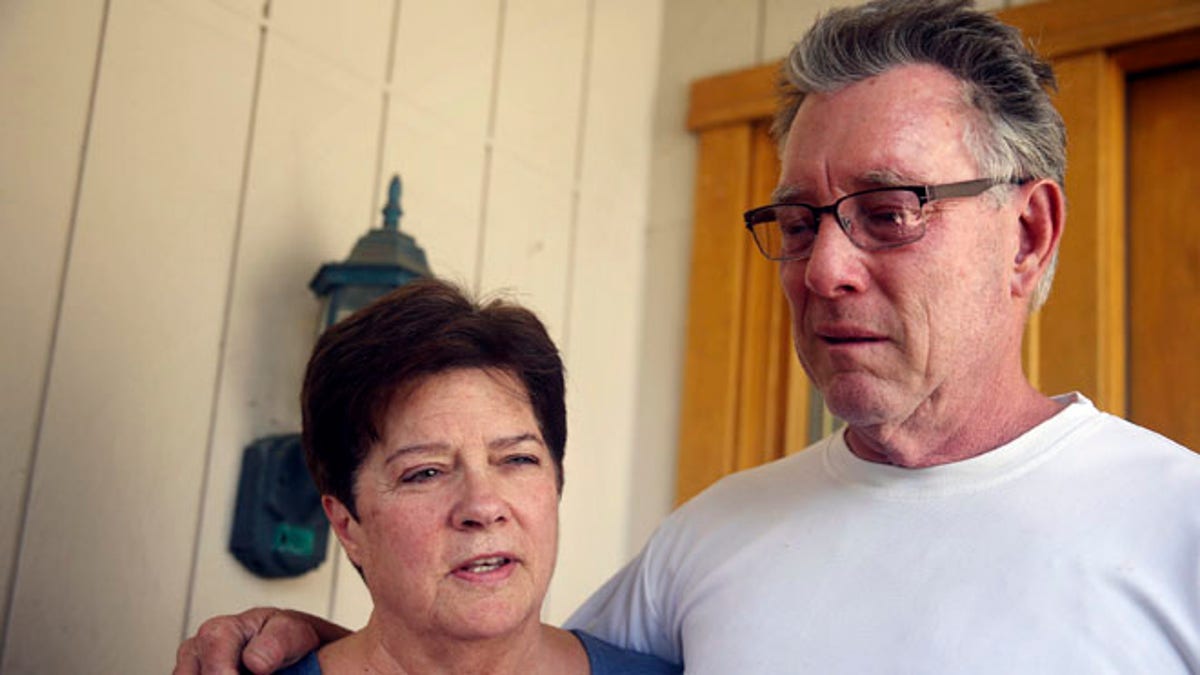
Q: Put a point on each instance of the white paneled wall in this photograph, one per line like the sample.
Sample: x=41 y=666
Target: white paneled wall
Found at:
x=173 y=173
x=109 y=533
x=42 y=133
x=310 y=182
x=173 y=176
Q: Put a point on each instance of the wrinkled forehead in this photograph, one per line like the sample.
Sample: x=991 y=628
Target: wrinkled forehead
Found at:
x=906 y=126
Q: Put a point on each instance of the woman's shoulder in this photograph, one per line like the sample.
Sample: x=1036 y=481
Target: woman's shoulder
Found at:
x=606 y=658
x=305 y=666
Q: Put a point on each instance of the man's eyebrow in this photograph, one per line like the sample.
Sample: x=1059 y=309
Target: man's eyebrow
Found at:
x=867 y=180
x=887 y=178
x=786 y=193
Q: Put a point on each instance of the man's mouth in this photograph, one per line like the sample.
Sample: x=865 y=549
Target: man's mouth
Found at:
x=849 y=339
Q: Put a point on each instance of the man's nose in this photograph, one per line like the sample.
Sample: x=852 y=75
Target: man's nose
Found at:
x=480 y=504
x=835 y=265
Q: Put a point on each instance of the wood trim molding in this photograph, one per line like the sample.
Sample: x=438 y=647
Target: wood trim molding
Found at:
x=1083 y=323
x=1056 y=30
x=750 y=94
x=709 y=405
x=740 y=97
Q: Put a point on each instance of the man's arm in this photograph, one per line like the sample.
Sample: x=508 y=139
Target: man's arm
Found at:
x=264 y=639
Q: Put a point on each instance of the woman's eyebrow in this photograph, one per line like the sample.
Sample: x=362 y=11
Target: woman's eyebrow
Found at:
x=406 y=450
x=509 y=441
x=498 y=443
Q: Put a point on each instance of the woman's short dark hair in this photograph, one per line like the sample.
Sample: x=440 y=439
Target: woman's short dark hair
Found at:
x=423 y=328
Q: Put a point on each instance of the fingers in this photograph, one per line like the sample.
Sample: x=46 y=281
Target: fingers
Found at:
x=187 y=659
x=263 y=639
x=216 y=648
x=283 y=638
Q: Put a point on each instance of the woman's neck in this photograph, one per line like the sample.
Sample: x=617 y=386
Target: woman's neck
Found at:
x=532 y=649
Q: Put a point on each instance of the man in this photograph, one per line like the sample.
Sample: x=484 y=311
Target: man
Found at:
x=964 y=522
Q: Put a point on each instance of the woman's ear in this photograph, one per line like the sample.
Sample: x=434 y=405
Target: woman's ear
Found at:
x=345 y=526
x=1042 y=217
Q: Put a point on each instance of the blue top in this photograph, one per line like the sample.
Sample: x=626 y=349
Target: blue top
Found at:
x=603 y=657
x=606 y=658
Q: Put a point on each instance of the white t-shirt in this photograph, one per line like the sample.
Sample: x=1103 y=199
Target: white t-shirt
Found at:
x=1073 y=549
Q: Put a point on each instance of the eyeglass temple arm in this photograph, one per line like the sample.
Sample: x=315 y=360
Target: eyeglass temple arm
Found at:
x=968 y=188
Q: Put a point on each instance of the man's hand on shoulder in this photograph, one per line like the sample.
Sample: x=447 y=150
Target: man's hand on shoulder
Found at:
x=263 y=639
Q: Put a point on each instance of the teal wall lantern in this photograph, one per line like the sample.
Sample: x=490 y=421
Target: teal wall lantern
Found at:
x=383 y=259
x=279 y=528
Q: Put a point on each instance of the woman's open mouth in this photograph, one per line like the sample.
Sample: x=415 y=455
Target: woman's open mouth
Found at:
x=485 y=565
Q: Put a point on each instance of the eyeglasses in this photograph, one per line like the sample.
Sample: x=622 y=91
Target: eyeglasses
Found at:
x=873 y=220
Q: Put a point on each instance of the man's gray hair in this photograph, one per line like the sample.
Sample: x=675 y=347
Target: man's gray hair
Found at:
x=1017 y=133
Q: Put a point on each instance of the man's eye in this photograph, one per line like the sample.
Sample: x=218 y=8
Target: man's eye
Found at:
x=793 y=228
x=420 y=475
x=884 y=217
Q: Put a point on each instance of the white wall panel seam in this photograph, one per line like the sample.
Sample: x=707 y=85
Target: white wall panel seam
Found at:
x=43 y=395
x=577 y=178
x=222 y=345
x=377 y=198
x=309 y=48
x=386 y=94
x=489 y=149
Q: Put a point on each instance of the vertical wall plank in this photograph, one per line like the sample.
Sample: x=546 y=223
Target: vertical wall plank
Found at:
x=436 y=132
x=351 y=37
x=603 y=314
x=785 y=23
x=530 y=187
x=437 y=129
x=108 y=544
x=47 y=87
x=311 y=171
x=698 y=38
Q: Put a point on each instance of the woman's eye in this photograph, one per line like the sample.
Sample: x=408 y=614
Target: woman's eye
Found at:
x=420 y=475
x=523 y=459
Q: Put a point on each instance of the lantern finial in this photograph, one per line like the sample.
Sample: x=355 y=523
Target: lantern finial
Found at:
x=392 y=210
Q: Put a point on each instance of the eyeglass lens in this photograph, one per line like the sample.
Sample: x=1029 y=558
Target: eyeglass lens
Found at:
x=871 y=220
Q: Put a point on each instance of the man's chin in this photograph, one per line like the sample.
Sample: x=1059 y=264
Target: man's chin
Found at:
x=858 y=403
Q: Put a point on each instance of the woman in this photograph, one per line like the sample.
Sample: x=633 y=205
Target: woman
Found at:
x=434 y=428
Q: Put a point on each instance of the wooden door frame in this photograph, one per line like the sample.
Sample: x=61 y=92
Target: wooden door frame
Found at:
x=1095 y=45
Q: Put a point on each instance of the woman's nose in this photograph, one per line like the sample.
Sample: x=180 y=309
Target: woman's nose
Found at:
x=480 y=505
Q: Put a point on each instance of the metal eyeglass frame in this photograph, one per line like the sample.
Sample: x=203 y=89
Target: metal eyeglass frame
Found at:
x=924 y=193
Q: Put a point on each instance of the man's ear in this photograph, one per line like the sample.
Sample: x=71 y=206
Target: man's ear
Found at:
x=1042 y=217
x=345 y=526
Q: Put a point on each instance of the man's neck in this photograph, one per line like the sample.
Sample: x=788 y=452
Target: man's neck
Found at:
x=936 y=436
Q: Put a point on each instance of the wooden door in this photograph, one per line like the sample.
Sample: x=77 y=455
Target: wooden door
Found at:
x=1164 y=252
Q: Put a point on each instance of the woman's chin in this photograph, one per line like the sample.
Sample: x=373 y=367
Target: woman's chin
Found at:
x=488 y=619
